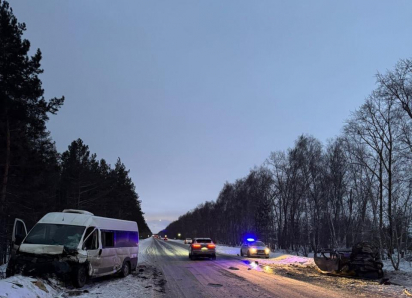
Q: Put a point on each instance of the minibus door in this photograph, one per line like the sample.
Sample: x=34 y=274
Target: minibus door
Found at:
x=92 y=245
x=19 y=233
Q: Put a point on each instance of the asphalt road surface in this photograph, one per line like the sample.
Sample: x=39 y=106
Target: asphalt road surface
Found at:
x=235 y=276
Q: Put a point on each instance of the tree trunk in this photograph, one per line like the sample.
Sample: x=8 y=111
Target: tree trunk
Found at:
x=6 y=170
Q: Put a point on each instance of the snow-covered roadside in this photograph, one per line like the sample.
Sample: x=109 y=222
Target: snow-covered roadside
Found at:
x=143 y=245
x=275 y=258
x=141 y=283
x=401 y=277
x=25 y=287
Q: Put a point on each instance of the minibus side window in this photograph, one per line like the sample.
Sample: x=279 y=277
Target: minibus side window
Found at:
x=133 y=238
x=93 y=241
x=122 y=239
x=107 y=239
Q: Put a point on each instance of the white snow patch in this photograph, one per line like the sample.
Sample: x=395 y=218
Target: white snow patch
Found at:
x=3 y=269
x=113 y=287
x=25 y=287
x=277 y=258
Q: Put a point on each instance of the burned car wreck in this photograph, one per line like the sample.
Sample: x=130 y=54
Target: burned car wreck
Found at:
x=363 y=261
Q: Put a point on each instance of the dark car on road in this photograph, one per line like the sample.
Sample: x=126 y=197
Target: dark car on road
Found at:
x=202 y=247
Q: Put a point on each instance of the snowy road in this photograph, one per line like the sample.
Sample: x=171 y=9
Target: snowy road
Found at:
x=165 y=271
x=233 y=276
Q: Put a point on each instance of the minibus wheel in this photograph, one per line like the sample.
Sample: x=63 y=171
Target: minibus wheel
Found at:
x=125 y=269
x=79 y=276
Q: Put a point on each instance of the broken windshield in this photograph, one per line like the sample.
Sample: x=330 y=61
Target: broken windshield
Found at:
x=54 y=234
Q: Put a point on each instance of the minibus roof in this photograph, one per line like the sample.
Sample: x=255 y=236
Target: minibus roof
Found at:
x=87 y=220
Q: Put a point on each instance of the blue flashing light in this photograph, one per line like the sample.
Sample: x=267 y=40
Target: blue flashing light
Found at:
x=250 y=239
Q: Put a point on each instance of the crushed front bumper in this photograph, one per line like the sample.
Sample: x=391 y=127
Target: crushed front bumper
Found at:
x=37 y=265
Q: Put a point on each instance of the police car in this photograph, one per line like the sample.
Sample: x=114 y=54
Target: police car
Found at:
x=254 y=248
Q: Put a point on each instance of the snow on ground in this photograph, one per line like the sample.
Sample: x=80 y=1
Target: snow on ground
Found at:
x=131 y=286
x=141 y=284
x=276 y=258
x=25 y=287
x=143 y=245
x=3 y=268
x=138 y=284
x=402 y=277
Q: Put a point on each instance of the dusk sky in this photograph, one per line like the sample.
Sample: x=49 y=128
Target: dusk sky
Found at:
x=190 y=94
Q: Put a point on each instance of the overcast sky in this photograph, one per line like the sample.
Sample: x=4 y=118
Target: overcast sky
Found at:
x=190 y=94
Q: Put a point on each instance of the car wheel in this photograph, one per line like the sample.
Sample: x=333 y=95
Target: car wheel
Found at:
x=190 y=256
x=267 y=257
x=241 y=253
x=248 y=253
x=125 y=269
x=214 y=257
x=79 y=276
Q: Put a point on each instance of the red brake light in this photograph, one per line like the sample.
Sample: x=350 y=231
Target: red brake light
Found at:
x=211 y=246
x=194 y=245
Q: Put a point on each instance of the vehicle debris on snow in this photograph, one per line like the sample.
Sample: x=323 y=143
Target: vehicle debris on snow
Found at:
x=362 y=261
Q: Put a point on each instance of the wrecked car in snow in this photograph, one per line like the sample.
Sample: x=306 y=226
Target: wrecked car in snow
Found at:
x=74 y=244
x=362 y=261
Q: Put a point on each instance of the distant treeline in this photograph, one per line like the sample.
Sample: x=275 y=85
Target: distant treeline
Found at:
x=357 y=187
x=34 y=177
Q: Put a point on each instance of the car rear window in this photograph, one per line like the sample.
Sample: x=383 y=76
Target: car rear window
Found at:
x=203 y=240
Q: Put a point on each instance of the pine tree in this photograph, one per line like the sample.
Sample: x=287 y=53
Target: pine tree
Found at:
x=23 y=116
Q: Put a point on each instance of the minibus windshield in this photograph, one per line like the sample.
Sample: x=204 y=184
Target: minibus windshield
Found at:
x=55 y=234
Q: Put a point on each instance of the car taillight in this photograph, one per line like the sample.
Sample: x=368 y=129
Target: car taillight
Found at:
x=211 y=246
x=196 y=246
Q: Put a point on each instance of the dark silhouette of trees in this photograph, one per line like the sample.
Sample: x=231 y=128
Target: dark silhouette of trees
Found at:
x=356 y=188
x=34 y=178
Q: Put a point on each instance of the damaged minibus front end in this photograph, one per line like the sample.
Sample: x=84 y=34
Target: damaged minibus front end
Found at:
x=74 y=244
x=35 y=260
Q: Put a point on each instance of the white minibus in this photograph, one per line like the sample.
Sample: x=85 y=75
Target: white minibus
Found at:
x=76 y=244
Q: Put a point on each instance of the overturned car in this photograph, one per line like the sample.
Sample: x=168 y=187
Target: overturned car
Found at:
x=362 y=261
x=74 y=244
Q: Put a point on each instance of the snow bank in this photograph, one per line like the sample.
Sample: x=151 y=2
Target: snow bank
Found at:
x=401 y=277
x=25 y=287
x=276 y=258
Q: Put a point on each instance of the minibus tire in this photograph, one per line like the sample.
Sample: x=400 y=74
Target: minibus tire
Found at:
x=125 y=269
x=79 y=276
